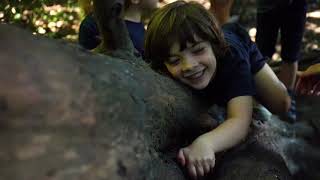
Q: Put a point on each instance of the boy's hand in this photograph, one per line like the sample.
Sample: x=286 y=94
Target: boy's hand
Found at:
x=198 y=157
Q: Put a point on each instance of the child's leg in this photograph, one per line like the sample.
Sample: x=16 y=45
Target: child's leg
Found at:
x=271 y=92
x=267 y=32
x=292 y=29
x=221 y=9
x=287 y=74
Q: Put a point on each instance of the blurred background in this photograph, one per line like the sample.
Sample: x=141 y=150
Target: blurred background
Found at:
x=60 y=19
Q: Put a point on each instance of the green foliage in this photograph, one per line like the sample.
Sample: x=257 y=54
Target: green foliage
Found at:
x=61 y=18
x=53 y=18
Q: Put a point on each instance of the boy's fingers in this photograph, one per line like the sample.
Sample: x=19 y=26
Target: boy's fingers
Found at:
x=212 y=164
x=206 y=167
x=181 y=157
x=199 y=169
x=192 y=171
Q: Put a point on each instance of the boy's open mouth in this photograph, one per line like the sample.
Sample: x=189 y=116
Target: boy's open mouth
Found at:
x=195 y=76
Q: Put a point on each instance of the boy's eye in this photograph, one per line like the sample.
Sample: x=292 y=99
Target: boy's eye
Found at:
x=198 y=50
x=173 y=61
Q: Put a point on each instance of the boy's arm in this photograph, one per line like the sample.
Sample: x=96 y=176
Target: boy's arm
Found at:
x=235 y=128
x=268 y=85
x=199 y=157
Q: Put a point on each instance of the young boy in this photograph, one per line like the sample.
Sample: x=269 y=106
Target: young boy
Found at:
x=184 y=41
x=89 y=36
x=289 y=17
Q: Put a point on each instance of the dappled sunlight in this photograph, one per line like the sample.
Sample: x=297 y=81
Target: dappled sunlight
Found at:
x=311 y=46
x=314 y=14
x=276 y=57
x=312 y=35
x=313 y=27
x=61 y=20
x=55 y=20
x=252 y=34
x=41 y=30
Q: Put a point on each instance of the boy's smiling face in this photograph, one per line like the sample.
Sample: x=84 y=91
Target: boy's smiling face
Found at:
x=194 y=66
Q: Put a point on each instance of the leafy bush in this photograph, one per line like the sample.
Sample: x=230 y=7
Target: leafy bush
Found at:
x=53 y=18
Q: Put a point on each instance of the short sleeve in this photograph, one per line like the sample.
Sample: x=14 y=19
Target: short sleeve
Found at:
x=238 y=38
x=257 y=60
x=234 y=76
x=239 y=81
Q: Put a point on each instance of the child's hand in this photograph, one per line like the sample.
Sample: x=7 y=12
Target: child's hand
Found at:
x=308 y=82
x=198 y=157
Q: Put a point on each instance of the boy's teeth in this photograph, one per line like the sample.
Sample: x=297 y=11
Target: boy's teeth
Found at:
x=196 y=75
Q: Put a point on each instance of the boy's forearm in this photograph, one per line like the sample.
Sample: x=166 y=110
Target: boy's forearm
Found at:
x=228 y=134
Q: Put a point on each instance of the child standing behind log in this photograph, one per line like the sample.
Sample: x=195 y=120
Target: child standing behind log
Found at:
x=184 y=41
x=90 y=37
x=288 y=17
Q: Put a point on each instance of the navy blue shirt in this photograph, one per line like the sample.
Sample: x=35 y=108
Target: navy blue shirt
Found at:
x=89 y=36
x=136 y=33
x=235 y=71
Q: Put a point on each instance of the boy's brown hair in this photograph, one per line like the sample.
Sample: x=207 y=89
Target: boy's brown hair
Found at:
x=180 y=22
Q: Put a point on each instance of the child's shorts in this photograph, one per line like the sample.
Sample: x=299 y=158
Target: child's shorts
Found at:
x=290 y=20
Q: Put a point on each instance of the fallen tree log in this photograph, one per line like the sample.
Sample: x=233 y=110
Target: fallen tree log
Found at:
x=69 y=114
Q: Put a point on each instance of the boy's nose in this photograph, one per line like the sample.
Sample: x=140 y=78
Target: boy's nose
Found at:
x=188 y=63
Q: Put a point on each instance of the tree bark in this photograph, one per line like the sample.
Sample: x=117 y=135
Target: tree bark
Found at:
x=69 y=114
